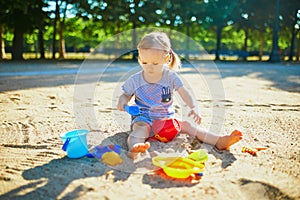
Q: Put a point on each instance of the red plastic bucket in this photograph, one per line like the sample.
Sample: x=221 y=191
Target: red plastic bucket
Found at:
x=165 y=130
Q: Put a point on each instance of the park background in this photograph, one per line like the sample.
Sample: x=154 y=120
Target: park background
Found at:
x=226 y=29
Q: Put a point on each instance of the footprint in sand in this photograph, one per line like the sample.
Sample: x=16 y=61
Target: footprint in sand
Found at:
x=260 y=190
x=15 y=98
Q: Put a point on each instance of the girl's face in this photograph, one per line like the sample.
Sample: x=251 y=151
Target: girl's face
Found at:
x=152 y=60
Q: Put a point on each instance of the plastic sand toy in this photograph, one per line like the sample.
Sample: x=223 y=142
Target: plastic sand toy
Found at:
x=132 y=110
x=111 y=158
x=178 y=167
x=165 y=130
x=75 y=143
x=109 y=154
x=252 y=151
x=199 y=156
x=100 y=150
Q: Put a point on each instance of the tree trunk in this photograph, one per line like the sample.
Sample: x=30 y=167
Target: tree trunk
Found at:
x=118 y=46
x=274 y=57
x=298 y=48
x=187 y=42
x=294 y=34
x=219 y=32
x=134 y=42
x=291 y=54
x=2 y=45
x=54 y=29
x=246 y=43
x=41 y=43
x=17 y=49
x=62 y=48
x=261 y=48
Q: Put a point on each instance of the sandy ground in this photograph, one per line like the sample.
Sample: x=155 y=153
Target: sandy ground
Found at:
x=41 y=101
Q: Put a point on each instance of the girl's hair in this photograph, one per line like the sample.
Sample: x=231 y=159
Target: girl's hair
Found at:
x=160 y=40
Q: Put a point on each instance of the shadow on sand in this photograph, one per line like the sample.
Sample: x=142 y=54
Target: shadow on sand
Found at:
x=49 y=180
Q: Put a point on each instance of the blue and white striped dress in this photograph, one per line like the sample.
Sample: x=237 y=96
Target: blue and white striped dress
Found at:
x=154 y=99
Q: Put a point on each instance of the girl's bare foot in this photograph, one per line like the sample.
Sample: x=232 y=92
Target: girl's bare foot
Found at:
x=138 y=148
x=226 y=141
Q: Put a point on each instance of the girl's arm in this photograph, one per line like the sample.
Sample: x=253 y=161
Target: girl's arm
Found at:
x=123 y=100
x=188 y=100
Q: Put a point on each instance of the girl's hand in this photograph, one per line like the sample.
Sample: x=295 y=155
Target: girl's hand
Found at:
x=195 y=116
x=187 y=98
x=120 y=106
x=123 y=100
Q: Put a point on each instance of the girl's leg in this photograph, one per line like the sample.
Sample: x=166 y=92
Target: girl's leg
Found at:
x=221 y=142
x=136 y=140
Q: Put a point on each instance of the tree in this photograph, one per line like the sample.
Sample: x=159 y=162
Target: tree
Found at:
x=55 y=29
x=178 y=15
x=22 y=17
x=2 y=22
x=117 y=16
x=274 y=57
x=219 y=13
x=246 y=22
x=60 y=12
x=41 y=42
x=139 y=13
x=2 y=46
x=290 y=12
x=62 y=48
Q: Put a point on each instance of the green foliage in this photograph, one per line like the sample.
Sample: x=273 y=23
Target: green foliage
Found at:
x=24 y=15
x=94 y=21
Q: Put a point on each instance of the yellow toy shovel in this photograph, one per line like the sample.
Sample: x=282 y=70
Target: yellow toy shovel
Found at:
x=178 y=167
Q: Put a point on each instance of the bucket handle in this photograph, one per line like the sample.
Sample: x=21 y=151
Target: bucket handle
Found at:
x=65 y=145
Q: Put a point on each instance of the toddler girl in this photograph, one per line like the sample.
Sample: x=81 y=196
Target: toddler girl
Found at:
x=153 y=89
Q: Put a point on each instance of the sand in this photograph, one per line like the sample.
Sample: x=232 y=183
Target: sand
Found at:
x=260 y=99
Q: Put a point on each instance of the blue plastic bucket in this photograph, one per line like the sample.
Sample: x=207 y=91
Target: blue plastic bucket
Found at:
x=75 y=143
